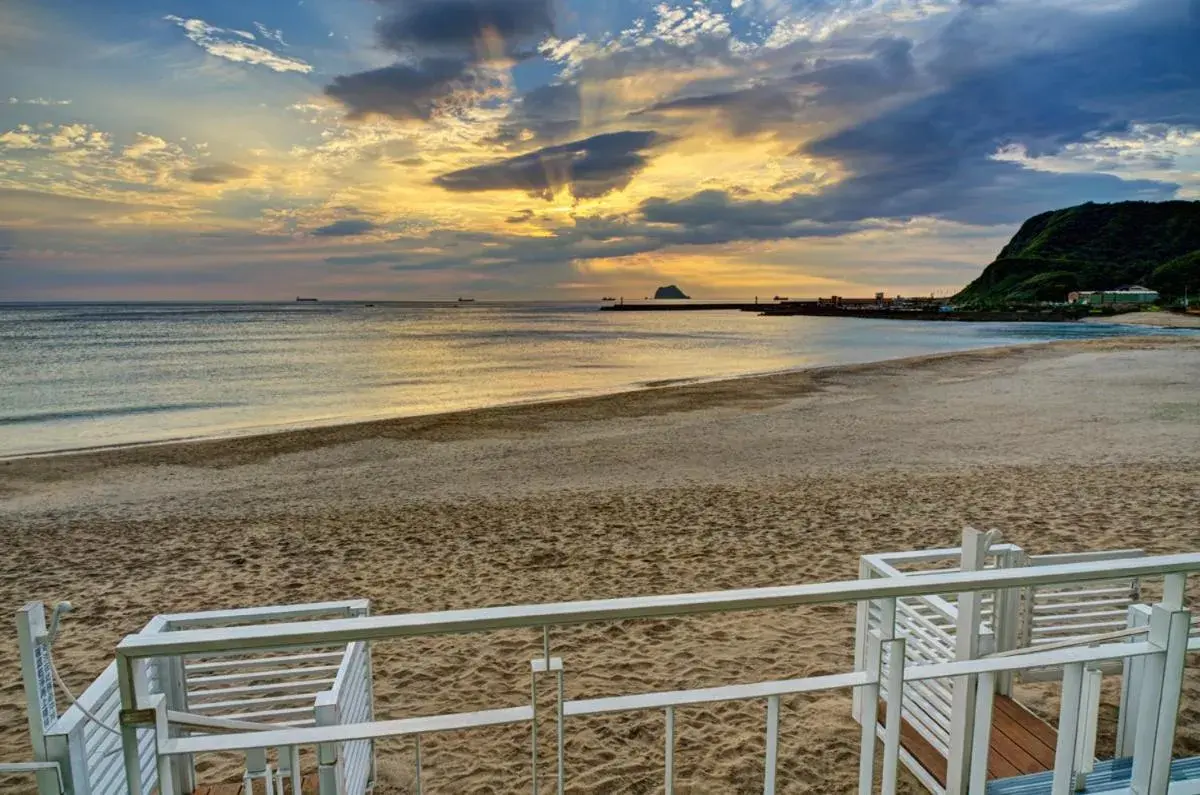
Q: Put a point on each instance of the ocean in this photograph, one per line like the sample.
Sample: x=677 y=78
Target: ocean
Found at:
x=76 y=376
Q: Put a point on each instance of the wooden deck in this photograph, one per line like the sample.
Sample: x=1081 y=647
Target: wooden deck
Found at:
x=1022 y=743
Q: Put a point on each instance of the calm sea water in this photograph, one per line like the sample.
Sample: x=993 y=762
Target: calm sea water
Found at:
x=77 y=376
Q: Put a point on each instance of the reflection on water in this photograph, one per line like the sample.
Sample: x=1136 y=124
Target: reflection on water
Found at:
x=84 y=375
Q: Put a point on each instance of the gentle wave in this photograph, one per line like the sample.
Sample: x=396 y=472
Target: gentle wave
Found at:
x=91 y=414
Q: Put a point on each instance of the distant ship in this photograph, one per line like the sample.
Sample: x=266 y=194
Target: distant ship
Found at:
x=466 y=300
x=608 y=298
x=781 y=298
x=368 y=304
x=306 y=300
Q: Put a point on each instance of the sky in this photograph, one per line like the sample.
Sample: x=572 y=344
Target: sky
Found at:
x=427 y=149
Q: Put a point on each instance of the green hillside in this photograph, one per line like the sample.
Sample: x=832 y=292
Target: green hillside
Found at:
x=1095 y=247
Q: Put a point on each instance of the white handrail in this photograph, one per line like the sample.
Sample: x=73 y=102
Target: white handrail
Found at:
x=344 y=732
x=407 y=726
x=346 y=630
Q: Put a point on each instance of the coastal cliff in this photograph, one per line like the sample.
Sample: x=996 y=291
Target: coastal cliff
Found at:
x=1095 y=247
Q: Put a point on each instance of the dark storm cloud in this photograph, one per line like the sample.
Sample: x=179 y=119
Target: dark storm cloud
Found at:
x=217 y=173
x=446 y=44
x=347 y=227
x=588 y=168
x=465 y=25
x=408 y=92
x=933 y=155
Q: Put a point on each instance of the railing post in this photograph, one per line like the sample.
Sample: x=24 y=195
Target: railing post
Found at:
x=1089 y=716
x=1168 y=710
x=370 y=675
x=70 y=751
x=1007 y=617
x=1162 y=680
x=538 y=667
x=417 y=764
x=173 y=678
x=329 y=762
x=862 y=617
x=772 y=755
x=669 y=754
x=132 y=685
x=1068 y=728
x=895 y=648
x=41 y=708
x=162 y=731
x=981 y=738
x=966 y=637
x=562 y=731
x=873 y=664
x=1132 y=674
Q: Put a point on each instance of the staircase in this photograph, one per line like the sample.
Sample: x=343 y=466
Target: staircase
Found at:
x=1111 y=776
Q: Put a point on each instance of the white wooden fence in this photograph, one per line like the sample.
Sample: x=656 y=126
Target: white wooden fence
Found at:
x=270 y=688
x=1163 y=650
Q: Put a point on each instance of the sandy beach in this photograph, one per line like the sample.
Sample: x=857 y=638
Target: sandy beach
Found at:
x=771 y=480
x=1156 y=319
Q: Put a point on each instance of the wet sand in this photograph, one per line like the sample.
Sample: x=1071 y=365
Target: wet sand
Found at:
x=762 y=481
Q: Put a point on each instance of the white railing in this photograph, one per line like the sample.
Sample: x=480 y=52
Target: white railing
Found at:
x=349 y=701
x=929 y=623
x=85 y=740
x=1164 y=650
x=93 y=750
x=1051 y=614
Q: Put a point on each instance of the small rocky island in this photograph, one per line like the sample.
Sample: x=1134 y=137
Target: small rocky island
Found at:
x=670 y=291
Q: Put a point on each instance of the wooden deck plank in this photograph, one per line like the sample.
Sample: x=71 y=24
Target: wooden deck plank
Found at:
x=1021 y=743
x=1009 y=741
x=1037 y=727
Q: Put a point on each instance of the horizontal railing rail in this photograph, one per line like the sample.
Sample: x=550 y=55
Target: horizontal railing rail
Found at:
x=307 y=634
x=664 y=700
x=886 y=672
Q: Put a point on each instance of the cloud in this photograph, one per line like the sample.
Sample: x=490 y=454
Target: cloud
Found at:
x=546 y=113
x=38 y=101
x=410 y=92
x=889 y=70
x=746 y=110
x=22 y=206
x=218 y=173
x=482 y=29
x=347 y=227
x=233 y=45
x=63 y=138
x=588 y=168
x=934 y=155
x=451 y=49
x=272 y=35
